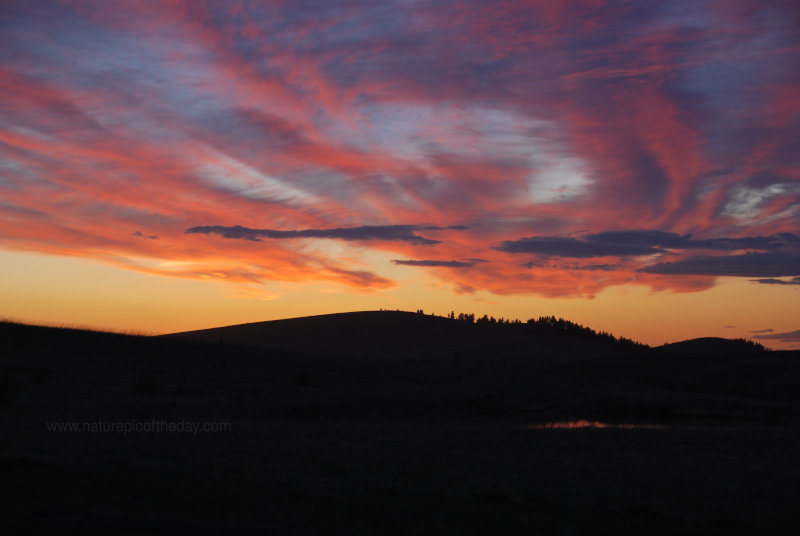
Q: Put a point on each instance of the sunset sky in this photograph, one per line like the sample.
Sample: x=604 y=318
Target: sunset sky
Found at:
x=631 y=166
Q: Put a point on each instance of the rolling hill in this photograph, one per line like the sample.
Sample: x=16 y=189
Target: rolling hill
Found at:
x=393 y=422
x=712 y=345
x=387 y=333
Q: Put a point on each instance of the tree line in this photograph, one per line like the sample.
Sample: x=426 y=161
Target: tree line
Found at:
x=543 y=325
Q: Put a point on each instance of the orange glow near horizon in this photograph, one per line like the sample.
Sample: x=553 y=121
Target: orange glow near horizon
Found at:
x=631 y=167
x=79 y=293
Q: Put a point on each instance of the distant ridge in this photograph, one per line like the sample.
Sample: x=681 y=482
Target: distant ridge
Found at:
x=712 y=345
x=396 y=332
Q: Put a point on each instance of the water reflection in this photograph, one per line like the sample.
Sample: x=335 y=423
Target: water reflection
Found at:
x=571 y=425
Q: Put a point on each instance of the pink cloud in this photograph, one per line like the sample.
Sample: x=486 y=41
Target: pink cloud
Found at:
x=515 y=120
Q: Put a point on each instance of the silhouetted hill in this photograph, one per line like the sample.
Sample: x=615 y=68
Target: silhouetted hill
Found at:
x=392 y=423
x=392 y=333
x=712 y=345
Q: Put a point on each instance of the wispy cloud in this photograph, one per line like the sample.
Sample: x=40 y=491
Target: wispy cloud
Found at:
x=548 y=125
x=787 y=336
x=772 y=264
x=572 y=247
x=640 y=242
x=774 y=281
x=139 y=234
x=466 y=263
x=401 y=233
x=764 y=256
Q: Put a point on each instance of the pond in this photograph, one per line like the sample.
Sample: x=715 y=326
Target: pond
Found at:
x=571 y=425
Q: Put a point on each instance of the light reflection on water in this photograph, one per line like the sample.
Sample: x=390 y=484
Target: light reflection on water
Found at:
x=572 y=425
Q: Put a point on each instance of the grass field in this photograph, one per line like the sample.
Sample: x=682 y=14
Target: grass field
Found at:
x=444 y=441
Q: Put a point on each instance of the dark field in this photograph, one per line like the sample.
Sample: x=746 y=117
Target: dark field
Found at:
x=394 y=423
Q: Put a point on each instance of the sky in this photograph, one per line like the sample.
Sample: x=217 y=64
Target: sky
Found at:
x=176 y=165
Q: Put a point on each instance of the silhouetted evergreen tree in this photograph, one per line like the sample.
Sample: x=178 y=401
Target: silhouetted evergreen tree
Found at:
x=553 y=326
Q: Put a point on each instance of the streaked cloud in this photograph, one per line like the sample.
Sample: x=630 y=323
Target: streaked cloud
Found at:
x=640 y=242
x=572 y=247
x=139 y=234
x=788 y=336
x=587 y=145
x=401 y=233
x=753 y=264
x=774 y=281
x=466 y=263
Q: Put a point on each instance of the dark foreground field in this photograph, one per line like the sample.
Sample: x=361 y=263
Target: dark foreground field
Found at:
x=441 y=433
